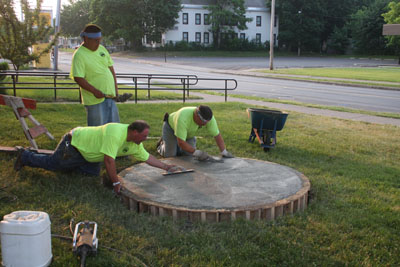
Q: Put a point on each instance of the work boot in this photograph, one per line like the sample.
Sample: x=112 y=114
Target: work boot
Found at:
x=159 y=146
x=124 y=97
x=18 y=162
x=32 y=149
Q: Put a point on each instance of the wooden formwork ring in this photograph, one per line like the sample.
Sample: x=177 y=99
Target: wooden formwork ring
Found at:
x=269 y=212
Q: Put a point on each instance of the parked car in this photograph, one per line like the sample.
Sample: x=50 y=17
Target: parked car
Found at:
x=111 y=49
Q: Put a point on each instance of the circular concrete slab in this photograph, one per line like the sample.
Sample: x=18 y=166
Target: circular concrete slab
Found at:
x=216 y=191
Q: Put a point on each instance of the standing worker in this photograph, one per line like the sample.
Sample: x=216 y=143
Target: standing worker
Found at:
x=179 y=129
x=92 y=69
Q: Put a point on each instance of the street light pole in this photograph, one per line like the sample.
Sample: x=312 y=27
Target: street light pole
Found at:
x=298 y=41
x=271 y=37
x=57 y=29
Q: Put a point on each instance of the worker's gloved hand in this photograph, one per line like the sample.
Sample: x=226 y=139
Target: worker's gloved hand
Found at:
x=200 y=155
x=226 y=154
x=124 y=97
x=174 y=168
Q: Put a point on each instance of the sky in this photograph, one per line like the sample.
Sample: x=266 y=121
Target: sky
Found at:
x=46 y=5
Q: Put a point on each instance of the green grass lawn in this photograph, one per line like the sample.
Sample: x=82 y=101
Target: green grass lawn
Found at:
x=72 y=95
x=373 y=113
x=353 y=218
x=387 y=74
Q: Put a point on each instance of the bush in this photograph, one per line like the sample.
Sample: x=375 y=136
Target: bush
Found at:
x=3 y=66
x=237 y=44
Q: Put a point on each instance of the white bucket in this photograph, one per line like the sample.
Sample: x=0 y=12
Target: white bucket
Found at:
x=26 y=239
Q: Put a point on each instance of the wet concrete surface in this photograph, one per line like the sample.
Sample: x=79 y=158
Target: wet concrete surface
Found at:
x=235 y=183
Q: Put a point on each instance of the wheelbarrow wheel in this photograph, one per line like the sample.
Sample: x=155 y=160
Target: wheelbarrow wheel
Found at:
x=266 y=140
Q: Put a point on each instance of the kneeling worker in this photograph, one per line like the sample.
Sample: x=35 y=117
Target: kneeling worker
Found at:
x=83 y=148
x=179 y=129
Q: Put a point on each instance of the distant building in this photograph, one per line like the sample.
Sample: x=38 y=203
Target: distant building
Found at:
x=192 y=25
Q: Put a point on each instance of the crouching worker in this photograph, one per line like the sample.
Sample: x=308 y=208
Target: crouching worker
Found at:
x=179 y=129
x=83 y=148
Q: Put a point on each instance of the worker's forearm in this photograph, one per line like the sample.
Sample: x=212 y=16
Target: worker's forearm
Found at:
x=152 y=161
x=83 y=83
x=185 y=146
x=220 y=142
x=109 y=162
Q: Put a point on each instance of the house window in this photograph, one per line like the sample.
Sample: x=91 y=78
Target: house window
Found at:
x=274 y=39
x=185 y=36
x=275 y=20
x=206 y=19
x=206 y=37
x=258 y=21
x=258 y=38
x=198 y=37
x=242 y=36
x=185 y=18
x=198 y=18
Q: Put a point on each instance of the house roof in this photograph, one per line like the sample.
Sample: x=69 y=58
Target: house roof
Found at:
x=248 y=3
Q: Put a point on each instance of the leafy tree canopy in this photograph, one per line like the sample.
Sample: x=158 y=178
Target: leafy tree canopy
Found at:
x=132 y=20
x=74 y=17
x=366 y=28
x=17 y=37
x=225 y=15
x=393 y=17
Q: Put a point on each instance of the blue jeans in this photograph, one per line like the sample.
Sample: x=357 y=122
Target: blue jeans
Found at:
x=65 y=158
x=169 y=146
x=102 y=113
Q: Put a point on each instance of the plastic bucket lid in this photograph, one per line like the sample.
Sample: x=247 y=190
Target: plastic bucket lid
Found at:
x=25 y=223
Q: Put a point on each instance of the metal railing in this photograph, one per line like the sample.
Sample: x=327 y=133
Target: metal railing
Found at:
x=126 y=81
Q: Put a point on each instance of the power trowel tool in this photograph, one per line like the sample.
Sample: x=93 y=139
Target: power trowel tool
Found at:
x=85 y=240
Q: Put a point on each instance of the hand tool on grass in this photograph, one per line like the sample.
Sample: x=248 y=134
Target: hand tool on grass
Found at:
x=120 y=98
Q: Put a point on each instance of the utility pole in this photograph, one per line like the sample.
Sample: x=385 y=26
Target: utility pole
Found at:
x=271 y=37
x=57 y=29
x=298 y=41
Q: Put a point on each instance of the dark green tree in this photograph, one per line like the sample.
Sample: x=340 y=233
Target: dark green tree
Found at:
x=301 y=24
x=17 y=37
x=74 y=17
x=160 y=15
x=339 y=40
x=310 y=25
x=366 y=28
x=119 y=19
x=133 y=19
x=225 y=16
x=393 y=17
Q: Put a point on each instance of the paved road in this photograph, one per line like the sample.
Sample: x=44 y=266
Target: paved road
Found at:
x=307 y=92
x=239 y=63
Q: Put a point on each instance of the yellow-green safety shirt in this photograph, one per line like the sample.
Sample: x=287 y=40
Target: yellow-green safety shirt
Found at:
x=185 y=127
x=108 y=139
x=93 y=66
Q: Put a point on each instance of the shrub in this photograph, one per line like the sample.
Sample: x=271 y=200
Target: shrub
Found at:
x=3 y=66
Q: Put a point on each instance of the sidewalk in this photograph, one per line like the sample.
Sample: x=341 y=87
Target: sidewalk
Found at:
x=288 y=107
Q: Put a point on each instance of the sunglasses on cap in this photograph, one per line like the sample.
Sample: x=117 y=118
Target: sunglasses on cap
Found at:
x=201 y=117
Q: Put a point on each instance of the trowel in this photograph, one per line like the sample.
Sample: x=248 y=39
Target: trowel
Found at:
x=178 y=172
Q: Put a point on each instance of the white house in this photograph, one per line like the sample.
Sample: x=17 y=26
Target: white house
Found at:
x=193 y=26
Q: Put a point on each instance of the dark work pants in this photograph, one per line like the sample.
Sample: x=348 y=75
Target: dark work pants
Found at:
x=65 y=158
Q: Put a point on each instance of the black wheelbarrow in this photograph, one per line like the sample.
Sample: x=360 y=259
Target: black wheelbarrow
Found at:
x=264 y=124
